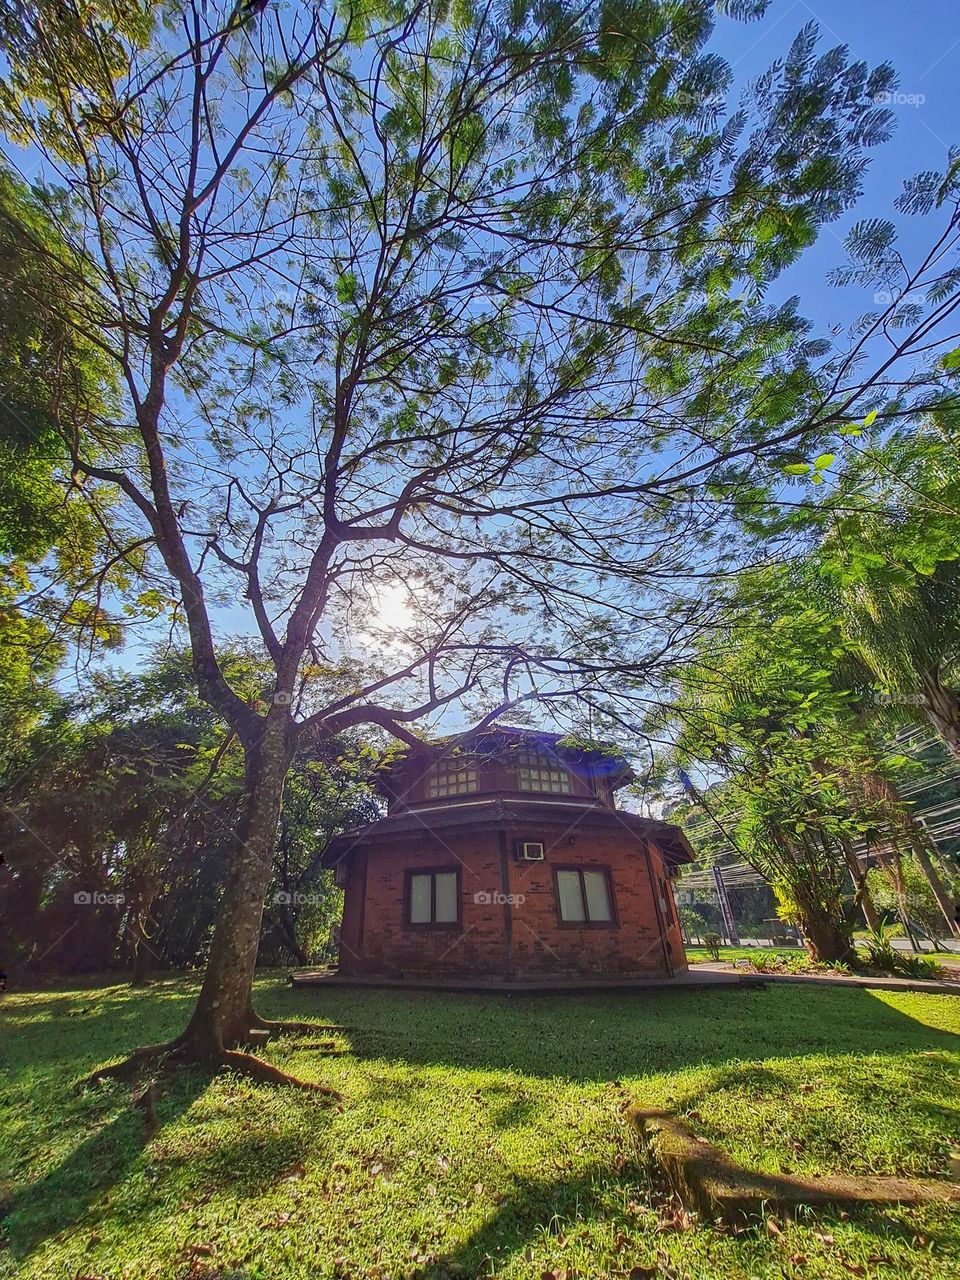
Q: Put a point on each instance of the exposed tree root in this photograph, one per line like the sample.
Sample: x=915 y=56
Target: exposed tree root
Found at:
x=709 y=1183
x=148 y=1101
x=282 y=1027
x=246 y=1064
x=181 y=1052
x=131 y=1067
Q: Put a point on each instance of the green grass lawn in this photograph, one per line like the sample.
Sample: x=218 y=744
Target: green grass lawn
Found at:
x=479 y=1136
x=697 y=955
x=700 y=955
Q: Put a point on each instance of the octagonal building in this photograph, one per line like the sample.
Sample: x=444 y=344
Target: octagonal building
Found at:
x=506 y=859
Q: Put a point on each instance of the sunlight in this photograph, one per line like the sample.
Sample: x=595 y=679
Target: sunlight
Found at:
x=392 y=608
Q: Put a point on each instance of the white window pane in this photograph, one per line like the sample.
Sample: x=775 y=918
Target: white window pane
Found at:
x=598 y=895
x=571 y=901
x=446 y=889
x=555 y=780
x=451 y=778
x=420 y=899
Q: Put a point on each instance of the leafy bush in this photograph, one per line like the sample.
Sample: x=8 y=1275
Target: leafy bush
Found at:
x=898 y=964
x=712 y=942
x=880 y=952
x=907 y=966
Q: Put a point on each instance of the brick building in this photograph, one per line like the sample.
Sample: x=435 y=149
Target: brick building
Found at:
x=508 y=859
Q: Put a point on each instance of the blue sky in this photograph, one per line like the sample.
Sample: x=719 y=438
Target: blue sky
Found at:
x=921 y=38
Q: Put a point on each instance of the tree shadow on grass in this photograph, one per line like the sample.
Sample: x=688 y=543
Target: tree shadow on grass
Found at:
x=76 y=1027
x=67 y=1194
x=627 y=1203
x=620 y=1036
x=906 y=1100
x=74 y=1194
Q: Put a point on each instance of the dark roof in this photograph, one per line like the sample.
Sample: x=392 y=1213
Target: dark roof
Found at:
x=475 y=813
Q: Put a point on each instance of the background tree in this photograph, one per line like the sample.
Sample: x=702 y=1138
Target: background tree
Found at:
x=58 y=546
x=893 y=551
x=762 y=704
x=133 y=805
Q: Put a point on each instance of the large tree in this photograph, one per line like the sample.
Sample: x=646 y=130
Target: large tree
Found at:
x=443 y=305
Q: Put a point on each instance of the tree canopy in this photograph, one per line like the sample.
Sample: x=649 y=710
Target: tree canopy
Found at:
x=461 y=308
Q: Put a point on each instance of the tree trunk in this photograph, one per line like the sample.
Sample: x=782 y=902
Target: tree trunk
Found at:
x=937 y=887
x=916 y=833
x=224 y=1011
x=288 y=937
x=942 y=708
x=137 y=928
x=826 y=939
x=861 y=890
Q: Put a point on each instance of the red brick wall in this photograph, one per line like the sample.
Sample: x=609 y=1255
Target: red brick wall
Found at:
x=520 y=939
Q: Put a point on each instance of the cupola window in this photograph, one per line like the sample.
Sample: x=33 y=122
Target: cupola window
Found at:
x=538 y=771
x=452 y=776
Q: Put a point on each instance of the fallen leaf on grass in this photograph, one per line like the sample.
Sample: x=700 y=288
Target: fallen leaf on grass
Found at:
x=679 y=1220
x=774 y=1227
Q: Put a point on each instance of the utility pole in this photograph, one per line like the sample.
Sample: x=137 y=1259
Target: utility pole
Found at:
x=725 y=909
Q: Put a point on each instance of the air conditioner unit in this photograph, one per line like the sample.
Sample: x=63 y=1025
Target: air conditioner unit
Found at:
x=531 y=851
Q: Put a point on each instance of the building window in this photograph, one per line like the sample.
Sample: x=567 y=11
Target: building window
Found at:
x=452 y=776
x=583 y=896
x=538 y=771
x=432 y=897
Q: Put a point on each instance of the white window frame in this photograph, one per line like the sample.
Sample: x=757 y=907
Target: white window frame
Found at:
x=586 y=920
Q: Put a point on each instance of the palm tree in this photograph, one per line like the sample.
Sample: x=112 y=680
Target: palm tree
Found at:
x=906 y=626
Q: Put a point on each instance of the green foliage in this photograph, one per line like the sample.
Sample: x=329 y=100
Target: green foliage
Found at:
x=921 y=905
x=136 y=792
x=880 y=952
x=767 y=701
x=692 y=922
x=893 y=553
x=58 y=540
x=713 y=942
x=55 y=381
x=883 y=957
